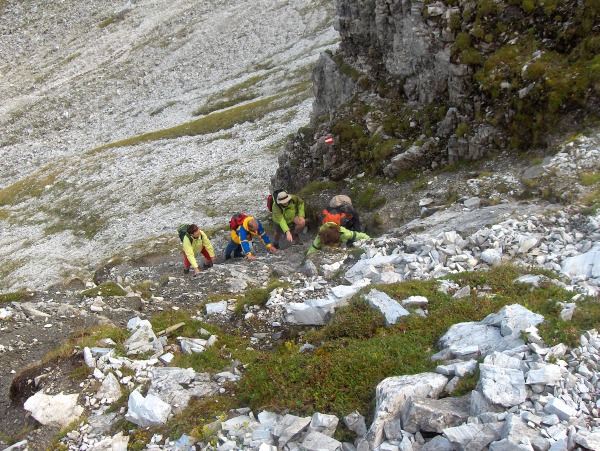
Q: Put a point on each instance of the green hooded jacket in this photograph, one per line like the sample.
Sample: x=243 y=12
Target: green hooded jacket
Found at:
x=345 y=236
x=282 y=216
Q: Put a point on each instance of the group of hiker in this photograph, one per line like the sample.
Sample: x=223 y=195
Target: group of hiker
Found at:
x=340 y=225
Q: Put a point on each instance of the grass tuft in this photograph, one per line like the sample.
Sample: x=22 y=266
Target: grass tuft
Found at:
x=106 y=289
x=257 y=296
x=15 y=296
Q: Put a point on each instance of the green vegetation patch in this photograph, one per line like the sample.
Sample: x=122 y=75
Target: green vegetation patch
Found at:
x=113 y=18
x=590 y=178
x=68 y=216
x=15 y=296
x=237 y=94
x=30 y=187
x=145 y=288
x=317 y=187
x=165 y=319
x=88 y=337
x=592 y=201
x=223 y=104
x=219 y=120
x=217 y=358
x=345 y=68
x=198 y=418
x=106 y=289
x=365 y=197
x=551 y=79
x=402 y=124
x=14 y=264
x=355 y=352
x=257 y=296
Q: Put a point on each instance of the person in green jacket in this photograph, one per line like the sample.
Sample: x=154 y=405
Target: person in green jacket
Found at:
x=195 y=241
x=288 y=217
x=333 y=235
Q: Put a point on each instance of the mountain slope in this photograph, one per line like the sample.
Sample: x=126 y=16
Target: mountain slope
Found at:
x=81 y=75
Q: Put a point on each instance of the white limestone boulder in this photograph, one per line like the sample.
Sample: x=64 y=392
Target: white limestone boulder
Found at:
x=502 y=386
x=434 y=415
x=54 y=410
x=473 y=436
x=176 y=386
x=513 y=319
x=391 y=395
x=390 y=308
x=110 y=389
x=147 y=411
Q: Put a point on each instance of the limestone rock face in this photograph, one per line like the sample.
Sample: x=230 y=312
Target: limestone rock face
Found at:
x=401 y=92
x=393 y=45
x=330 y=86
x=398 y=39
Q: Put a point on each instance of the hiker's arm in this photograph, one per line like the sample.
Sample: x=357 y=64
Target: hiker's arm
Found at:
x=300 y=208
x=208 y=245
x=362 y=236
x=189 y=252
x=244 y=241
x=315 y=246
x=279 y=219
x=348 y=235
x=264 y=237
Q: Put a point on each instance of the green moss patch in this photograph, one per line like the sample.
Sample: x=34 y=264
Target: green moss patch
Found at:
x=15 y=296
x=106 y=289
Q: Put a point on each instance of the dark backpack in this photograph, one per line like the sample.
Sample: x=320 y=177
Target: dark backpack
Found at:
x=272 y=199
x=237 y=220
x=182 y=231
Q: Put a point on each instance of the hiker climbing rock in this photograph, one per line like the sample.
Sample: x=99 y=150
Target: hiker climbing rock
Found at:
x=342 y=212
x=193 y=241
x=333 y=235
x=288 y=217
x=241 y=236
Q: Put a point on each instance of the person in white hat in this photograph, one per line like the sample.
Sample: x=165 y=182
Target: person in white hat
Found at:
x=288 y=217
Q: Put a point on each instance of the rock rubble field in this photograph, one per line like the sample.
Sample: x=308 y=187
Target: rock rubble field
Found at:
x=530 y=395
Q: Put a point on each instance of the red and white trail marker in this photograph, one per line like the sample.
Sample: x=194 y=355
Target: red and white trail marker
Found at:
x=328 y=140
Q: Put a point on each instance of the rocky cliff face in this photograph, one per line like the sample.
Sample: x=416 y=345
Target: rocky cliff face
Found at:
x=415 y=85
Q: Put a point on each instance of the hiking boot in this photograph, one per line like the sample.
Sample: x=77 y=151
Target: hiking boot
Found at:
x=207 y=265
x=186 y=270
